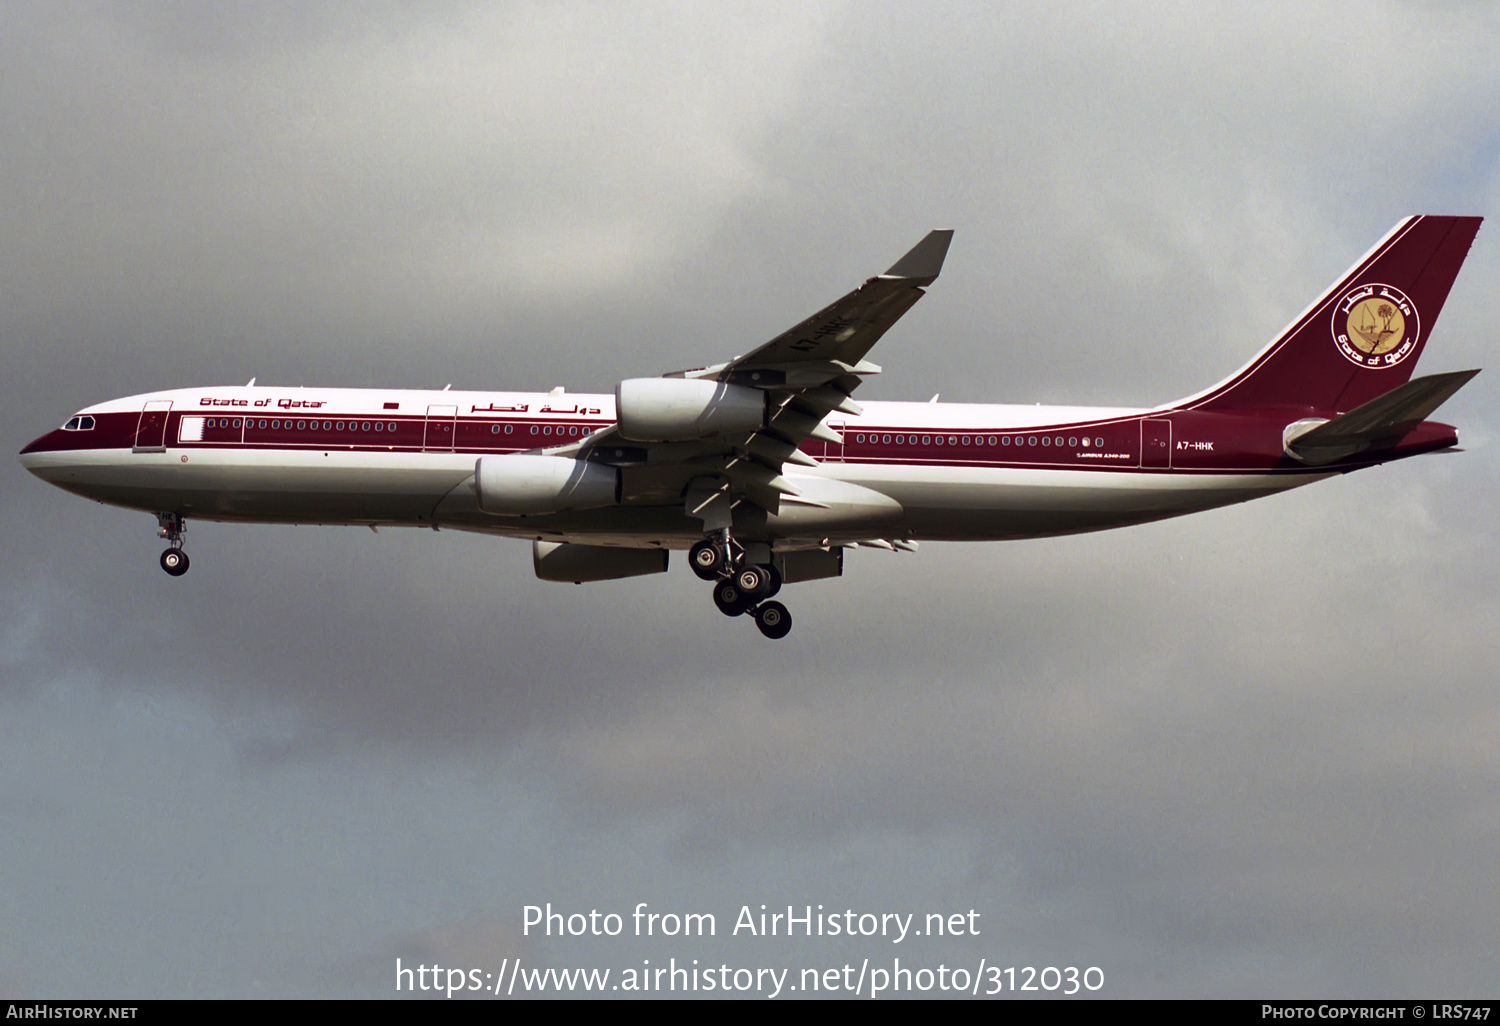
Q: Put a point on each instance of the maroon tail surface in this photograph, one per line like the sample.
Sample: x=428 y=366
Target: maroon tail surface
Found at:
x=1362 y=338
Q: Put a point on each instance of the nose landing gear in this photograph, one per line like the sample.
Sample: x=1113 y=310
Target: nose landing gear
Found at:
x=174 y=561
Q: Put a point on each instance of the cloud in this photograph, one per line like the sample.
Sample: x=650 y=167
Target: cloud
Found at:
x=1250 y=746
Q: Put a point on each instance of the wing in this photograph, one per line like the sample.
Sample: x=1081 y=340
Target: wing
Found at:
x=844 y=331
x=806 y=373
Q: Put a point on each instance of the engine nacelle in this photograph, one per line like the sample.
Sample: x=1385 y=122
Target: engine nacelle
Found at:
x=682 y=409
x=522 y=484
x=564 y=561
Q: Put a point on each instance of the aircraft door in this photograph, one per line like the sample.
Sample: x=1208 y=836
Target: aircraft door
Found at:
x=440 y=423
x=1156 y=444
x=834 y=451
x=151 y=429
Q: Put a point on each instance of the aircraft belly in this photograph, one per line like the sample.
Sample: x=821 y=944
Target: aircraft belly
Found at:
x=262 y=486
x=991 y=503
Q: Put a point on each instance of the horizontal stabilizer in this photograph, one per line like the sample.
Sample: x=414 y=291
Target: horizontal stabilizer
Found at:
x=1385 y=419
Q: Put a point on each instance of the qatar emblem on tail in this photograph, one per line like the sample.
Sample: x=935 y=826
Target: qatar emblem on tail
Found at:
x=764 y=468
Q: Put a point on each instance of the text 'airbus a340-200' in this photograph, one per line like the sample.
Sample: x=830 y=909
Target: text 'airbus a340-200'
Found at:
x=764 y=468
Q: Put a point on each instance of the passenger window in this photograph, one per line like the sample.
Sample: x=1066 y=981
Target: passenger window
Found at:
x=507 y=429
x=1072 y=442
x=1099 y=442
x=926 y=439
x=379 y=426
x=390 y=427
x=1031 y=440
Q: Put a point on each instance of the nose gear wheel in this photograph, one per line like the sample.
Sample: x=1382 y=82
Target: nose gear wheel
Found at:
x=170 y=526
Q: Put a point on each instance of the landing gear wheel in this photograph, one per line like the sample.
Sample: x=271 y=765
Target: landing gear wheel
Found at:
x=775 y=585
x=174 y=562
x=730 y=600
x=707 y=560
x=773 y=620
x=754 y=581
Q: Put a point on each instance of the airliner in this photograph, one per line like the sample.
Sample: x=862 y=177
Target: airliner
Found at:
x=764 y=468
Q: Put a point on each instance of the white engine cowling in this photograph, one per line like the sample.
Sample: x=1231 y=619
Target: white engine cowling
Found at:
x=565 y=561
x=520 y=484
x=682 y=409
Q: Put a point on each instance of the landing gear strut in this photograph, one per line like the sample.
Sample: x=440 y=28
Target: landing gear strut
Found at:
x=174 y=561
x=741 y=587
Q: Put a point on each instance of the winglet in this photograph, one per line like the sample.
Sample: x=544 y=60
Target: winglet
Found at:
x=925 y=260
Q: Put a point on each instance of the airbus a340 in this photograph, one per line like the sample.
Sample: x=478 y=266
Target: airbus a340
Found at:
x=764 y=468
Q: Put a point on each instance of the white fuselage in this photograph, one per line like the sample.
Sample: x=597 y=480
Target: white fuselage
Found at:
x=956 y=471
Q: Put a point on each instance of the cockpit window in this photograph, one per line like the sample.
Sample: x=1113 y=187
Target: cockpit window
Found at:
x=79 y=424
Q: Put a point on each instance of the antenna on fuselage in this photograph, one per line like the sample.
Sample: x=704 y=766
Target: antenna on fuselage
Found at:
x=250 y=383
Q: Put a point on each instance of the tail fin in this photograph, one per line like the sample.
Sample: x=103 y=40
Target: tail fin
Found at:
x=1363 y=336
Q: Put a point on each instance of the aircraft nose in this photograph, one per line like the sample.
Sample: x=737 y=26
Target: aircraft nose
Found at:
x=42 y=444
x=34 y=456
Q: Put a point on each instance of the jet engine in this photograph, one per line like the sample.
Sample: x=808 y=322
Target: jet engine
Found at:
x=684 y=409
x=564 y=561
x=522 y=484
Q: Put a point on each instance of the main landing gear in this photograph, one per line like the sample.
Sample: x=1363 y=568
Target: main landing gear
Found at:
x=741 y=587
x=174 y=561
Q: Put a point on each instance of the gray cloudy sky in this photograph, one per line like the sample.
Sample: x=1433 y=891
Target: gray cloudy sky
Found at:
x=1249 y=753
